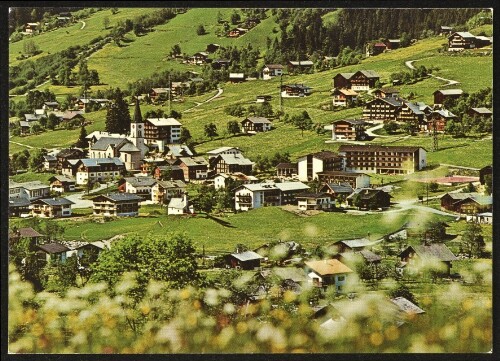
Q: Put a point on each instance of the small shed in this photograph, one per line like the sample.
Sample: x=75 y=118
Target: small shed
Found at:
x=247 y=260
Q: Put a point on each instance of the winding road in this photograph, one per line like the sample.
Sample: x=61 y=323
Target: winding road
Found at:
x=409 y=64
x=218 y=94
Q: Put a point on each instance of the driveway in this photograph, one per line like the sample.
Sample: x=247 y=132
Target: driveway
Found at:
x=218 y=94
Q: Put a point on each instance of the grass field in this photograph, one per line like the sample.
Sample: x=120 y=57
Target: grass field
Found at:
x=252 y=228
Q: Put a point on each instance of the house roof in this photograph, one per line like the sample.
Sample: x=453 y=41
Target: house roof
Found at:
x=69 y=152
x=380 y=45
x=27 y=232
x=340 y=188
x=177 y=203
x=367 y=193
x=297 y=86
x=482 y=110
x=61 y=178
x=476 y=197
x=449 y=91
x=434 y=250
x=54 y=247
x=246 y=256
x=311 y=195
x=258 y=120
x=414 y=107
x=345 y=91
x=104 y=142
x=94 y=162
x=162 y=122
x=463 y=34
x=356 y=243
x=370 y=256
x=274 y=66
x=49 y=158
x=129 y=147
x=19 y=202
x=179 y=150
x=345 y=75
x=160 y=90
x=70 y=114
x=172 y=184
x=377 y=148
x=221 y=150
x=406 y=305
x=140 y=181
x=287 y=166
x=193 y=161
x=324 y=154
x=289 y=273
x=235 y=159
x=28 y=185
x=369 y=73
x=55 y=201
x=291 y=186
x=120 y=197
x=328 y=267
x=72 y=245
x=443 y=113
x=351 y=121
x=387 y=90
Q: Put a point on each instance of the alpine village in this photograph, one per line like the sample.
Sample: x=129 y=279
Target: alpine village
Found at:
x=225 y=180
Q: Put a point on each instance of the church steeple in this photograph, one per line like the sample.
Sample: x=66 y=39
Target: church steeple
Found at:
x=137 y=112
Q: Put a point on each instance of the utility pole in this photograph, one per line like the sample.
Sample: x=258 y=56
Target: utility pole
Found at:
x=281 y=97
x=434 y=136
x=169 y=96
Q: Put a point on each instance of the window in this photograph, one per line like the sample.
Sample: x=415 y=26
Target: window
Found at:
x=341 y=278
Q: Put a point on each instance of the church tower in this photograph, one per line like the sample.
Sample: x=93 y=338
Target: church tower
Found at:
x=137 y=130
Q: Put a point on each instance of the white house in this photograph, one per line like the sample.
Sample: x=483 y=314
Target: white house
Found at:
x=485 y=218
x=249 y=196
x=178 y=206
x=272 y=70
x=328 y=272
x=311 y=164
x=220 y=179
x=224 y=150
x=313 y=201
x=139 y=185
x=28 y=190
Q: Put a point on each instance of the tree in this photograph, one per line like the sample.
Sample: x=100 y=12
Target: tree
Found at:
x=302 y=121
x=403 y=291
x=82 y=142
x=23 y=254
x=30 y=47
x=54 y=229
x=138 y=28
x=472 y=240
x=36 y=159
x=205 y=200
x=488 y=183
x=211 y=130
x=233 y=127
x=36 y=128
x=118 y=115
x=391 y=127
x=470 y=188
x=433 y=187
x=200 y=30
x=52 y=121
x=105 y=22
x=435 y=231
x=235 y=17
x=409 y=128
x=176 y=50
x=185 y=135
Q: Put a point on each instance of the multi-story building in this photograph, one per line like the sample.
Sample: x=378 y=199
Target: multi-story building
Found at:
x=272 y=70
x=355 y=180
x=162 y=131
x=98 y=169
x=51 y=207
x=361 y=80
x=383 y=159
x=349 y=129
x=249 y=196
x=28 y=190
x=254 y=125
x=194 y=168
x=382 y=109
x=231 y=163
x=311 y=164
x=344 y=97
x=116 y=204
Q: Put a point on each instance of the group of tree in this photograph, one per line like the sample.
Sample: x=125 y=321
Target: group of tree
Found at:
x=301 y=121
x=242 y=59
x=25 y=159
x=410 y=77
x=262 y=110
x=265 y=163
x=118 y=115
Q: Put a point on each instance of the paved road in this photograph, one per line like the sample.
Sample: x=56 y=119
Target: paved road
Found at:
x=83 y=203
x=409 y=64
x=22 y=145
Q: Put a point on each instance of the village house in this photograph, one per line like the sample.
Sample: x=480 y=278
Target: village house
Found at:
x=67 y=154
x=483 y=172
x=413 y=113
x=252 y=125
x=295 y=90
x=349 y=129
x=393 y=44
x=49 y=162
x=463 y=40
x=376 y=49
x=382 y=109
x=369 y=199
x=251 y=22
x=250 y=196
x=28 y=190
x=247 y=260
x=272 y=70
x=141 y=186
x=353 y=245
x=417 y=256
x=19 y=207
x=52 y=252
x=224 y=150
x=80 y=249
x=287 y=170
x=50 y=106
x=237 y=32
x=237 y=77
x=179 y=206
x=51 y=207
x=344 y=97
x=97 y=169
x=199 y=58
x=194 y=168
x=438 y=119
x=164 y=190
x=338 y=191
x=441 y=95
x=445 y=30
x=221 y=179
x=170 y=171
x=174 y=151
x=159 y=93
x=328 y=272
x=407 y=310
x=219 y=64
x=311 y=164
x=116 y=204
x=314 y=201
x=122 y=148
x=300 y=66
x=480 y=112
x=31 y=28
x=162 y=131
x=73 y=116
x=25 y=233
x=481 y=218
x=466 y=203
x=61 y=184
x=383 y=159
x=231 y=163
x=387 y=92
x=361 y=80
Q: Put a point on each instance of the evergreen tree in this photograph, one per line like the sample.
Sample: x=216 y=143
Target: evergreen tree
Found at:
x=211 y=130
x=82 y=142
x=118 y=116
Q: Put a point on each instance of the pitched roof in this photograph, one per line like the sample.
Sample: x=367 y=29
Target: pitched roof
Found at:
x=129 y=147
x=291 y=186
x=173 y=184
x=345 y=91
x=328 y=267
x=351 y=121
x=406 y=305
x=140 y=181
x=368 y=193
x=477 y=197
x=53 y=248
x=179 y=150
x=27 y=232
x=55 y=201
x=449 y=91
x=246 y=256
x=193 y=161
x=301 y=62
x=311 y=195
x=435 y=250
x=340 y=188
x=444 y=113
x=104 y=142
x=345 y=75
x=235 y=159
x=119 y=197
x=356 y=243
x=94 y=162
x=377 y=148
x=28 y=185
x=343 y=174
x=177 y=203
x=463 y=34
x=61 y=178
x=69 y=152
x=258 y=120
x=370 y=256
x=19 y=202
x=236 y=75
x=274 y=66
x=287 y=165
x=414 y=107
x=369 y=73
x=49 y=158
x=221 y=150
x=482 y=110
x=162 y=122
